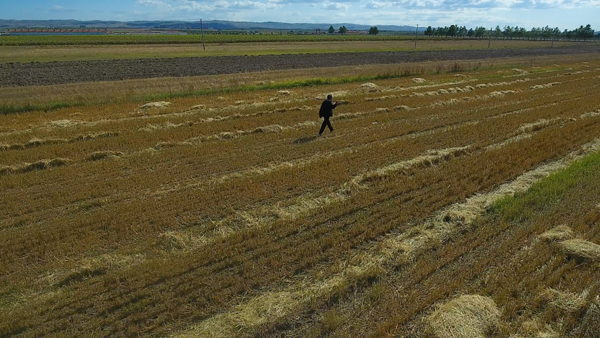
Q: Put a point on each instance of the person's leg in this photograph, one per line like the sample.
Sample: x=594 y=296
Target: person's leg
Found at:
x=325 y=122
x=329 y=125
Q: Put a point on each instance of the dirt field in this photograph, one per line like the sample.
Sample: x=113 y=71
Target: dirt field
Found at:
x=437 y=208
x=28 y=74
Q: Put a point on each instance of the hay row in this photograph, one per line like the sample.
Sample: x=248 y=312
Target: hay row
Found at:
x=306 y=204
x=581 y=249
x=389 y=250
x=54 y=163
x=37 y=142
x=28 y=167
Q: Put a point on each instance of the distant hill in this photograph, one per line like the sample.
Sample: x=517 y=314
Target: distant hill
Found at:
x=209 y=24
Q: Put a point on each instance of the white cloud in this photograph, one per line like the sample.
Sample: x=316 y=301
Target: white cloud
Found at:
x=209 y=6
x=297 y=1
x=471 y=13
x=334 y=6
x=377 y=4
x=156 y=3
x=61 y=9
x=466 y=4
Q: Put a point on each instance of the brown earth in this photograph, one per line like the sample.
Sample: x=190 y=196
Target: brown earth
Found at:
x=36 y=73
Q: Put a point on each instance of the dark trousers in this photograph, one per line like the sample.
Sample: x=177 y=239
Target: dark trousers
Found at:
x=325 y=123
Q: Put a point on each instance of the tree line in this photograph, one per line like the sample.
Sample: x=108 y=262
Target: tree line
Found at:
x=516 y=32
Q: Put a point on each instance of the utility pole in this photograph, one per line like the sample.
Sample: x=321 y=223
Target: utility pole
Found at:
x=490 y=38
x=416 y=35
x=202 y=30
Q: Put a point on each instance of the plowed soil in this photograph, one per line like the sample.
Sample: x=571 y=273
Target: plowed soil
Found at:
x=28 y=74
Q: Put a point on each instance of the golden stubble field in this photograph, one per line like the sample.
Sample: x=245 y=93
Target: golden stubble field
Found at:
x=91 y=52
x=225 y=215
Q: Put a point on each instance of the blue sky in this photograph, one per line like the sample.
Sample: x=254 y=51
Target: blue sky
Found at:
x=564 y=14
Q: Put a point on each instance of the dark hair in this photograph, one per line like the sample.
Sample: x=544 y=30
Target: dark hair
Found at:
x=329 y=97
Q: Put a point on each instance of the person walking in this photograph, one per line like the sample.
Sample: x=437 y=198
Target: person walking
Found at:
x=326 y=112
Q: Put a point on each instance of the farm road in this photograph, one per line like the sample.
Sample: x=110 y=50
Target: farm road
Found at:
x=31 y=74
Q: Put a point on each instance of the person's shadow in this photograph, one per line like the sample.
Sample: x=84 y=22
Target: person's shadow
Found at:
x=305 y=139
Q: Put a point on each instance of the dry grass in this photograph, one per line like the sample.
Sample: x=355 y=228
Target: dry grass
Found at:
x=159 y=104
x=100 y=155
x=468 y=316
x=39 y=165
x=547 y=85
x=565 y=301
x=559 y=233
x=589 y=325
x=581 y=249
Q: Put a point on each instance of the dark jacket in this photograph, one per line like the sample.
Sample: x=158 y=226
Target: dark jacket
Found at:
x=327 y=108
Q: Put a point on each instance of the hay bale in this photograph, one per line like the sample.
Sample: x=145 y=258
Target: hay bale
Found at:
x=62 y=123
x=339 y=93
x=369 y=87
x=559 y=233
x=581 y=249
x=496 y=94
x=56 y=162
x=566 y=301
x=36 y=142
x=6 y=170
x=535 y=328
x=468 y=316
x=160 y=104
x=520 y=71
x=43 y=164
x=100 y=155
x=274 y=128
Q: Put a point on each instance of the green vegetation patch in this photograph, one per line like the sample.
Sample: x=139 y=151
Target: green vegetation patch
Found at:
x=549 y=192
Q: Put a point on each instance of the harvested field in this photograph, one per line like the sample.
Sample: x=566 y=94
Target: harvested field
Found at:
x=36 y=73
x=225 y=215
